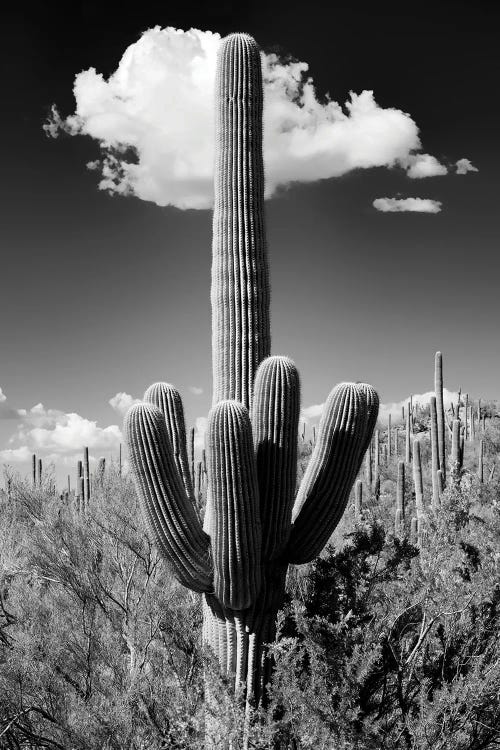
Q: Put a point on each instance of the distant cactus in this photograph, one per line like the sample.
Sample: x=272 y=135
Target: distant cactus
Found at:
x=480 y=462
x=400 y=489
x=456 y=453
x=408 y=436
x=86 y=476
x=33 y=469
x=414 y=531
x=80 y=499
x=434 y=453
x=358 y=500
x=100 y=472
x=417 y=479
x=438 y=387
x=252 y=528
x=440 y=483
x=368 y=469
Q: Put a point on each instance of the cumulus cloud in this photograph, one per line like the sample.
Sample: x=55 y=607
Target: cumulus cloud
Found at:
x=312 y=412
x=55 y=434
x=465 y=165
x=195 y=390
x=424 y=165
x=6 y=410
x=200 y=428
x=414 y=205
x=121 y=402
x=153 y=118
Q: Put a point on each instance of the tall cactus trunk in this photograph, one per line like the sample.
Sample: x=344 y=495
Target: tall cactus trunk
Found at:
x=241 y=336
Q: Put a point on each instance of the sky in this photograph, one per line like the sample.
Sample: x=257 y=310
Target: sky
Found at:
x=382 y=222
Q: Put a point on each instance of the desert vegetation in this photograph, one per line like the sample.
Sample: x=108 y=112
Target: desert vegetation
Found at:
x=388 y=639
x=338 y=590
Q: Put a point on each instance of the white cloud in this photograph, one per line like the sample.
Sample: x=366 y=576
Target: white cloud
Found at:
x=424 y=165
x=415 y=205
x=195 y=390
x=54 y=434
x=464 y=165
x=153 y=119
x=312 y=412
x=7 y=411
x=16 y=455
x=200 y=428
x=121 y=402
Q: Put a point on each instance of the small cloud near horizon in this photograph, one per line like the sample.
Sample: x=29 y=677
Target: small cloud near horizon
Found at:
x=412 y=205
x=53 y=434
x=7 y=411
x=195 y=390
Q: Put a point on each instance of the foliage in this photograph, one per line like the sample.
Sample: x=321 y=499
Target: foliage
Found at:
x=381 y=644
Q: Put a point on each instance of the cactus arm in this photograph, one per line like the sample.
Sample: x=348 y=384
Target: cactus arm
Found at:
x=240 y=275
x=236 y=528
x=275 y=421
x=168 y=512
x=169 y=402
x=343 y=438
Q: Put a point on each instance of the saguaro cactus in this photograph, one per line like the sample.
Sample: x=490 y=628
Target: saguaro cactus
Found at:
x=434 y=454
x=417 y=479
x=456 y=453
x=254 y=526
x=86 y=476
x=438 y=387
x=480 y=462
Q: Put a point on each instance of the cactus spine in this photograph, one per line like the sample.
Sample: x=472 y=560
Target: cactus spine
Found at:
x=253 y=528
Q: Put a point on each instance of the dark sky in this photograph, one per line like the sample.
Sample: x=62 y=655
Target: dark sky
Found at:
x=103 y=294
